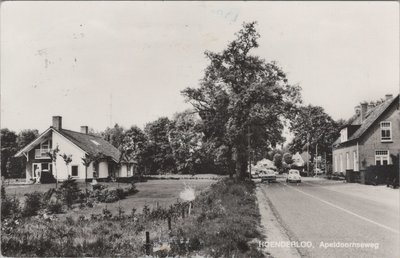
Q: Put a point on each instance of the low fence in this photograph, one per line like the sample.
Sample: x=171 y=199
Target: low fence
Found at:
x=374 y=175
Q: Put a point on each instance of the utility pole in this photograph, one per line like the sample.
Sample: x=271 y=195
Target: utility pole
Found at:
x=308 y=154
x=316 y=157
x=249 y=149
x=111 y=110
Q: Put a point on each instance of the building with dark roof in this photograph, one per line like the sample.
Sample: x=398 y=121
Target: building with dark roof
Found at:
x=371 y=137
x=108 y=160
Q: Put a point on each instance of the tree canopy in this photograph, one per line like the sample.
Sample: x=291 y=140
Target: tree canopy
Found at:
x=312 y=126
x=240 y=96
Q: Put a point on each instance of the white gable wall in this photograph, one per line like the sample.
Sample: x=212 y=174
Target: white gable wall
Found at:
x=67 y=147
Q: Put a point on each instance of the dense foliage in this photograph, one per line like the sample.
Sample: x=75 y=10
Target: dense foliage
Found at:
x=222 y=222
x=314 y=128
x=10 y=144
x=243 y=98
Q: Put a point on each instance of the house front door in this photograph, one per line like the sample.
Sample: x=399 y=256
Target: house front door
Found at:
x=36 y=169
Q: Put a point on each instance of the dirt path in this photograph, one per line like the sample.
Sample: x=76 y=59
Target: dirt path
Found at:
x=272 y=228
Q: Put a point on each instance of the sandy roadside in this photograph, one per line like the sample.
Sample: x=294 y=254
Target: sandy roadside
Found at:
x=272 y=229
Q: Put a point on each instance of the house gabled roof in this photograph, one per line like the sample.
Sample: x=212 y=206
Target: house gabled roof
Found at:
x=90 y=144
x=370 y=118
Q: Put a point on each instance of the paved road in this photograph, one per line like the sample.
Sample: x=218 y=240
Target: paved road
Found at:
x=317 y=211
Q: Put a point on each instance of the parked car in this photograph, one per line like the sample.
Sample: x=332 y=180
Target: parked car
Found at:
x=318 y=171
x=267 y=175
x=293 y=176
x=255 y=173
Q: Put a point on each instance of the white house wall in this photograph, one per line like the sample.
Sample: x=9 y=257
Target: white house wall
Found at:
x=67 y=147
x=123 y=171
x=103 y=169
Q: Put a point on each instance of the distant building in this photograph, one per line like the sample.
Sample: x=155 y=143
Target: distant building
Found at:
x=77 y=144
x=369 y=138
x=266 y=163
x=298 y=160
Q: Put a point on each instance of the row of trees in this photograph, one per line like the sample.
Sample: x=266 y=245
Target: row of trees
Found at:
x=165 y=145
x=12 y=142
x=240 y=108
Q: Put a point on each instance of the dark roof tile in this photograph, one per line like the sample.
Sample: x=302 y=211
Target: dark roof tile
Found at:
x=91 y=144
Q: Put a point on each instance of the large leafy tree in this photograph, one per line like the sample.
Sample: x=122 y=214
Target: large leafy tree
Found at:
x=242 y=97
x=114 y=135
x=185 y=136
x=313 y=128
x=16 y=166
x=158 y=153
x=8 y=148
x=135 y=144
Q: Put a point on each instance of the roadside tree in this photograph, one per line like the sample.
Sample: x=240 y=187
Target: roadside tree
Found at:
x=243 y=98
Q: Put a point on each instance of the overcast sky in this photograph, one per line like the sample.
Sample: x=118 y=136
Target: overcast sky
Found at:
x=67 y=58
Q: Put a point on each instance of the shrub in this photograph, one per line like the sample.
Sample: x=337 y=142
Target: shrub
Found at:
x=70 y=191
x=9 y=207
x=120 y=193
x=54 y=207
x=47 y=178
x=146 y=210
x=111 y=196
x=106 y=213
x=131 y=189
x=133 y=212
x=3 y=191
x=33 y=203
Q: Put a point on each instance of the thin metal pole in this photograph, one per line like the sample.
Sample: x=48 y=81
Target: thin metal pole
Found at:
x=249 y=149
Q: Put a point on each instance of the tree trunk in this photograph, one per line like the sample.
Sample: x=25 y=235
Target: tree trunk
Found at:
x=231 y=164
x=241 y=163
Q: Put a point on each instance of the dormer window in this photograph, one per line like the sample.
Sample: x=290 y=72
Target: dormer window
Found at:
x=386 y=131
x=343 y=135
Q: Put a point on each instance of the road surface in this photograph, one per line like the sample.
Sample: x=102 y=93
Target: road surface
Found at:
x=323 y=218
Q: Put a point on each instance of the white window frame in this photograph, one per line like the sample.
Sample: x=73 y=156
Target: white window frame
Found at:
x=381 y=155
x=343 y=135
x=335 y=162
x=386 y=126
x=355 y=161
x=341 y=162
x=347 y=161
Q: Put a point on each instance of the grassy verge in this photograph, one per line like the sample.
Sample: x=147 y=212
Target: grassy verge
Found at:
x=223 y=221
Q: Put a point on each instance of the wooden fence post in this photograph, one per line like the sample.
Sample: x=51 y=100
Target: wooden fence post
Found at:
x=147 y=243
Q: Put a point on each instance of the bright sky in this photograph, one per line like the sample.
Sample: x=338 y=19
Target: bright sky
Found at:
x=67 y=58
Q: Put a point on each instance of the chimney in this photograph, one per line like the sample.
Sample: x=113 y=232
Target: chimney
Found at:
x=357 y=109
x=371 y=106
x=364 y=108
x=388 y=96
x=84 y=129
x=57 y=122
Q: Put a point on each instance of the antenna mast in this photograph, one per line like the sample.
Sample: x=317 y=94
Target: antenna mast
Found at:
x=111 y=110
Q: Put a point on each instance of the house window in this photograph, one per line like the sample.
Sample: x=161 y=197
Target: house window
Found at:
x=74 y=170
x=386 y=131
x=341 y=162
x=355 y=161
x=343 y=135
x=347 y=160
x=335 y=162
x=381 y=158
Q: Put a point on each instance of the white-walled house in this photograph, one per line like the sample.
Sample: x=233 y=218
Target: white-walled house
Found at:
x=78 y=145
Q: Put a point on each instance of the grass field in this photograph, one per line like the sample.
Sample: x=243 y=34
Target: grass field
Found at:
x=163 y=192
x=223 y=222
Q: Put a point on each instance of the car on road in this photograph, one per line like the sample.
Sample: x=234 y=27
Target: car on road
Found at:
x=267 y=175
x=318 y=171
x=293 y=176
